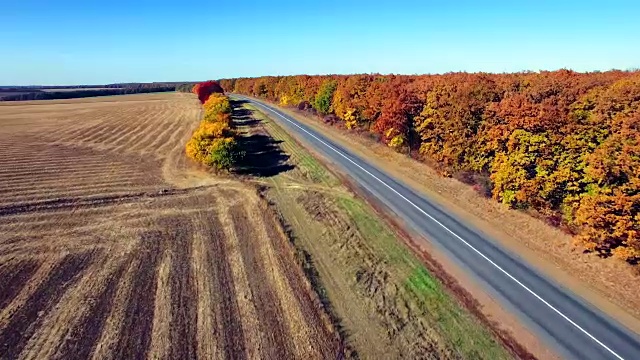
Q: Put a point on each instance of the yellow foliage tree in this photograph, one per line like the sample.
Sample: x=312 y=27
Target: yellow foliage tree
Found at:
x=350 y=119
x=217 y=104
x=216 y=117
x=396 y=139
x=286 y=100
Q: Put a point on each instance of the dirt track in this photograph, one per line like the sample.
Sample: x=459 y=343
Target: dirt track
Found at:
x=113 y=246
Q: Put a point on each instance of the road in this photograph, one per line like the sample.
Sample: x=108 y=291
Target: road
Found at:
x=567 y=323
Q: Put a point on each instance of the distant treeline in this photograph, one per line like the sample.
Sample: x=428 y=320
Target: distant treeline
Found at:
x=22 y=93
x=185 y=87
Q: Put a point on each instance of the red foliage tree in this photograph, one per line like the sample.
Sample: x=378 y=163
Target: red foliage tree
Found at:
x=204 y=89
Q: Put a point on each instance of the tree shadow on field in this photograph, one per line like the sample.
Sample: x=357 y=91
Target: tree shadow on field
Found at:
x=263 y=156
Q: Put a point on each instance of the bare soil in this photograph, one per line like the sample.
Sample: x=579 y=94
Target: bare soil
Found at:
x=611 y=285
x=113 y=245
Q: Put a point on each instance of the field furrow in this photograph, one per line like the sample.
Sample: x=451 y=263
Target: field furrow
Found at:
x=27 y=320
x=266 y=303
x=156 y=138
x=208 y=309
x=13 y=276
x=149 y=122
x=97 y=126
x=103 y=123
x=229 y=324
x=108 y=188
x=84 y=334
x=255 y=343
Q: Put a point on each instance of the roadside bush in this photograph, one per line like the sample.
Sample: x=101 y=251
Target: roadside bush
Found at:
x=203 y=137
x=330 y=119
x=215 y=117
x=481 y=183
x=212 y=130
x=224 y=153
x=218 y=104
x=304 y=105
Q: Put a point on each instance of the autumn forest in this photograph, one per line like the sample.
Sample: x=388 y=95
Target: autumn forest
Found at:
x=563 y=145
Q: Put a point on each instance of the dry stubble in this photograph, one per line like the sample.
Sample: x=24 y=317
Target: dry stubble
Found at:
x=112 y=245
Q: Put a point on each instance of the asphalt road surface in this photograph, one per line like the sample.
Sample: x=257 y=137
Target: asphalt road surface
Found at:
x=567 y=323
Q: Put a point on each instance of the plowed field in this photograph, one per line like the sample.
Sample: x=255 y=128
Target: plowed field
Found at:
x=113 y=246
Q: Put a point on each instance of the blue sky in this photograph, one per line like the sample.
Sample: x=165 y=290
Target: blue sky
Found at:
x=96 y=42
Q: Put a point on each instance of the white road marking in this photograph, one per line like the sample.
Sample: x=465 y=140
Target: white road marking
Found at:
x=451 y=232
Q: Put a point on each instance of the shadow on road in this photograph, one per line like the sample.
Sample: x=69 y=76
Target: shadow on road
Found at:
x=263 y=157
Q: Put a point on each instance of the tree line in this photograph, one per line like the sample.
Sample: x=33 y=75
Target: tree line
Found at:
x=562 y=143
x=213 y=143
x=23 y=93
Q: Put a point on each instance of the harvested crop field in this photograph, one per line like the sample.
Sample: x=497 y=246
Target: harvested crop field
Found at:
x=112 y=245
